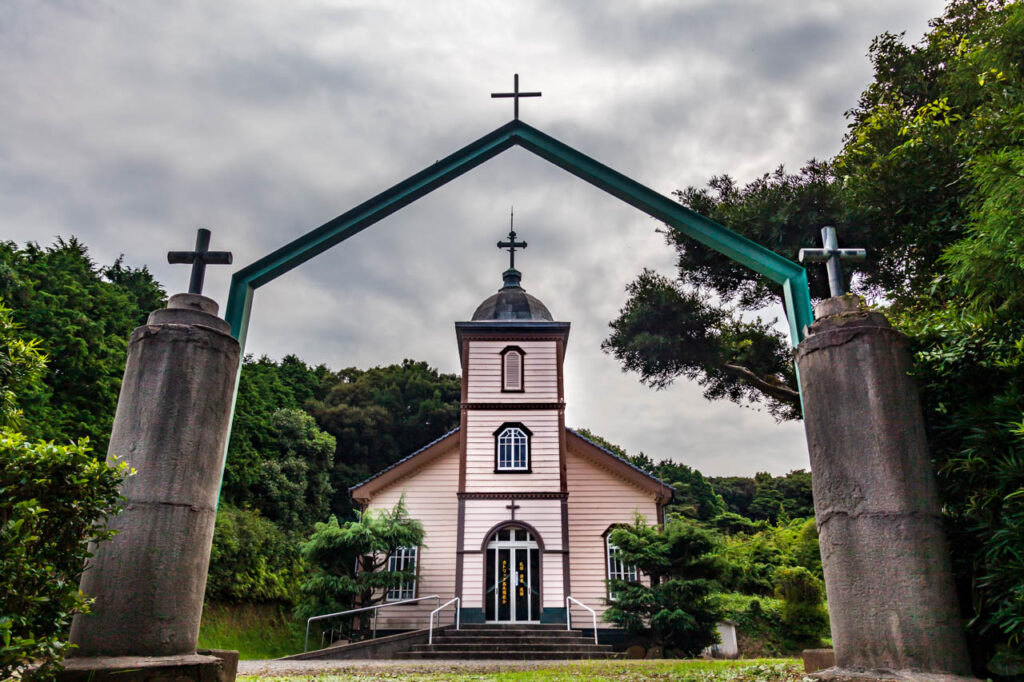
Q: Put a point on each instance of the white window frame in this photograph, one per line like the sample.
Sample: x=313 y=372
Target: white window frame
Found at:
x=399 y=561
x=617 y=569
x=512 y=449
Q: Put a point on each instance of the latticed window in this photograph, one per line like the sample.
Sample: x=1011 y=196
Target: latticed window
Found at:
x=512 y=369
x=513 y=449
x=402 y=559
x=618 y=570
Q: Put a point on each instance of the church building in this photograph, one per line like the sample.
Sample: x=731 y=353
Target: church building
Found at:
x=517 y=508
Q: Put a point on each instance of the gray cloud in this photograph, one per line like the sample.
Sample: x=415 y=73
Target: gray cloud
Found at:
x=130 y=124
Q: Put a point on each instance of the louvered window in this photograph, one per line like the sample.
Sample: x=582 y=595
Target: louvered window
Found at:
x=512 y=370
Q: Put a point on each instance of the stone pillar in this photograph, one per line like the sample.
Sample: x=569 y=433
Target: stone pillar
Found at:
x=171 y=426
x=887 y=571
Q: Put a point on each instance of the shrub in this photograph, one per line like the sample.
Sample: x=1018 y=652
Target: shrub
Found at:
x=53 y=500
x=252 y=560
x=803 y=612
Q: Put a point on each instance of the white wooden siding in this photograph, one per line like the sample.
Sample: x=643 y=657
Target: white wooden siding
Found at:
x=480 y=428
x=430 y=497
x=544 y=515
x=540 y=372
x=597 y=499
x=552 y=589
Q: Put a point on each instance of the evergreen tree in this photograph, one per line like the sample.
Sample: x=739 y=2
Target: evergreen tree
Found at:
x=673 y=603
x=350 y=561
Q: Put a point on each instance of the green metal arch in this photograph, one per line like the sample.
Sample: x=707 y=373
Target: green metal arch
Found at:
x=791 y=276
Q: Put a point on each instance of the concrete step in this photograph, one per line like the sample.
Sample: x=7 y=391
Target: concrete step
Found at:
x=561 y=655
x=510 y=632
x=501 y=641
x=557 y=646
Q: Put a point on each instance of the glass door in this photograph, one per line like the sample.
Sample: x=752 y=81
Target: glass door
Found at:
x=512 y=580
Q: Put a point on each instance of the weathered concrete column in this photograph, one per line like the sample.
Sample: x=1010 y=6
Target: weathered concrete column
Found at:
x=171 y=426
x=887 y=571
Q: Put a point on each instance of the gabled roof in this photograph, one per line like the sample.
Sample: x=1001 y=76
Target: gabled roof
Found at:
x=396 y=470
x=624 y=468
x=363 y=490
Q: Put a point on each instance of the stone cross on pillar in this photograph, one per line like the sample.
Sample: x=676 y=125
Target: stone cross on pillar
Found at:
x=171 y=425
x=891 y=598
x=832 y=256
x=200 y=258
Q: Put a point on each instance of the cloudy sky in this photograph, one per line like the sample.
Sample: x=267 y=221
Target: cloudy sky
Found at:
x=130 y=124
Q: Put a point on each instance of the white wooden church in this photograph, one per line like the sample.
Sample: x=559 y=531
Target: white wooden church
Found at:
x=517 y=508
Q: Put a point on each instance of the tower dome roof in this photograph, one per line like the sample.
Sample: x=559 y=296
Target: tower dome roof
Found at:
x=512 y=303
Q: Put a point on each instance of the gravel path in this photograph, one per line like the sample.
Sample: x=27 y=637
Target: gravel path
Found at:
x=274 y=668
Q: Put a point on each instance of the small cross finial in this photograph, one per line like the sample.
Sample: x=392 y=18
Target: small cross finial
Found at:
x=832 y=256
x=511 y=244
x=515 y=95
x=200 y=258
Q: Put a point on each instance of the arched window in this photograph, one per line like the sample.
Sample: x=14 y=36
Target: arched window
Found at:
x=512 y=369
x=512 y=448
x=617 y=569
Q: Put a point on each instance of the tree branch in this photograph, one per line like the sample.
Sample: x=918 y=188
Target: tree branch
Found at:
x=767 y=385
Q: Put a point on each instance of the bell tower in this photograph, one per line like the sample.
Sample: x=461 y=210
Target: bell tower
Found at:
x=512 y=466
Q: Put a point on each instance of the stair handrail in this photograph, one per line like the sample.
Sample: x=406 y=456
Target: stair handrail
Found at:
x=309 y=621
x=568 y=614
x=436 y=612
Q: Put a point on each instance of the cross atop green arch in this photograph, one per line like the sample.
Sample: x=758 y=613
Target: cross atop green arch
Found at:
x=790 y=275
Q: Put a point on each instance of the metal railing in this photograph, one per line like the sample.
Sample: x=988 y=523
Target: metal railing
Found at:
x=309 y=621
x=568 y=614
x=436 y=612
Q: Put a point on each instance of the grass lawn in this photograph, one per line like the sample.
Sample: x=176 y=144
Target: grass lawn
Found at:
x=769 y=670
x=254 y=631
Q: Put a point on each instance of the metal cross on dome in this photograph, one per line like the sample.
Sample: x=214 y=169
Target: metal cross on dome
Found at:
x=511 y=244
x=515 y=95
x=200 y=258
x=832 y=256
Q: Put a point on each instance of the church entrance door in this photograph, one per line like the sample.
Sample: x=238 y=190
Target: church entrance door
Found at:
x=512 y=582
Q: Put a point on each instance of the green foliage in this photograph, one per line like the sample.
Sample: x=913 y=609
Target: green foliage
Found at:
x=675 y=601
x=749 y=562
x=21 y=366
x=265 y=387
x=350 y=561
x=295 y=487
x=759 y=625
x=766 y=497
x=971 y=371
x=82 y=315
x=53 y=500
x=803 y=612
x=667 y=330
x=253 y=560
